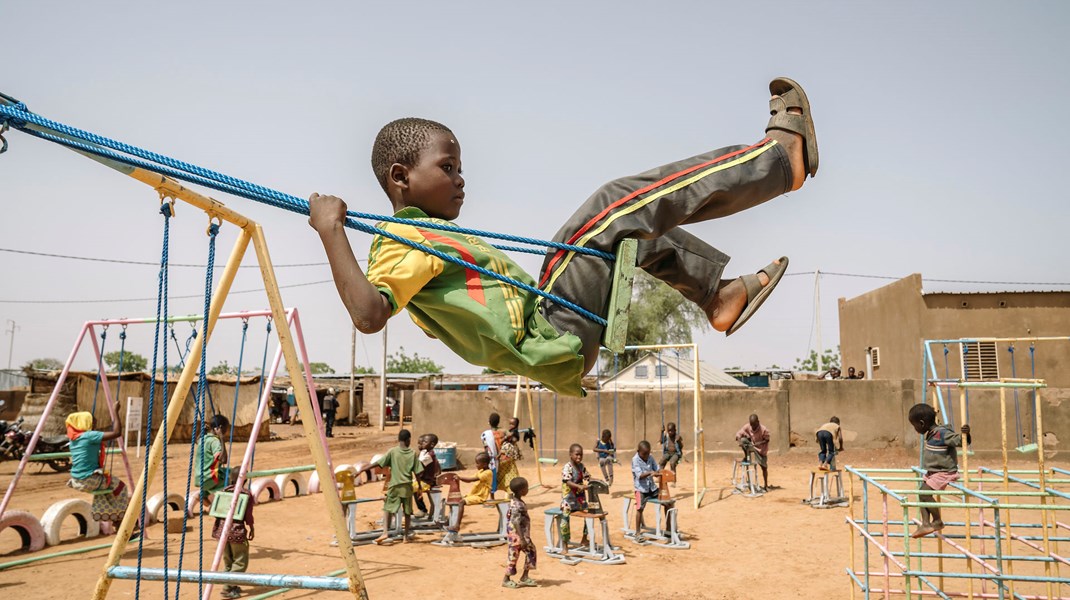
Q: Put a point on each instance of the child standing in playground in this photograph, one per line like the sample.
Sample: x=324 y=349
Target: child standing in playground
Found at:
x=87 y=467
x=644 y=471
x=672 y=447
x=518 y=531
x=574 y=479
x=828 y=435
x=401 y=461
x=508 y=457
x=210 y=459
x=329 y=405
x=428 y=477
x=479 y=493
x=607 y=455
x=939 y=460
x=418 y=164
x=492 y=443
x=753 y=438
x=236 y=552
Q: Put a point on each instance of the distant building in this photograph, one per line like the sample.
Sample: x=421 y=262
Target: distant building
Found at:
x=882 y=331
x=759 y=377
x=668 y=371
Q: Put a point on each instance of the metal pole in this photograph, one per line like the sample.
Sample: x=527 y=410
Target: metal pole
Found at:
x=382 y=386
x=817 y=317
x=352 y=376
x=11 y=346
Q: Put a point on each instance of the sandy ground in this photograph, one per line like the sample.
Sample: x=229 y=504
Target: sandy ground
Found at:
x=772 y=546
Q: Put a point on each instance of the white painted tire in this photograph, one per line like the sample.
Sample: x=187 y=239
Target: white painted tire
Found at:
x=265 y=484
x=52 y=520
x=154 y=507
x=314 y=483
x=193 y=503
x=345 y=467
x=27 y=526
x=296 y=481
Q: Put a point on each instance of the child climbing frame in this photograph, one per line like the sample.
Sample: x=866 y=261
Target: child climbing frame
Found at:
x=1002 y=527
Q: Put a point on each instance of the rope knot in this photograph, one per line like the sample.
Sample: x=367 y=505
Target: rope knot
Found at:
x=166 y=210
x=213 y=229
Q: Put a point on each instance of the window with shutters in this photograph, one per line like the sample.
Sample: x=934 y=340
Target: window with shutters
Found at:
x=980 y=361
x=642 y=372
x=661 y=371
x=874 y=357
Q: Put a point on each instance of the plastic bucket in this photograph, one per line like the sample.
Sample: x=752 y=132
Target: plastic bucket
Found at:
x=446 y=453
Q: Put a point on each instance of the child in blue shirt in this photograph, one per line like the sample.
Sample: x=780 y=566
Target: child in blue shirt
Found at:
x=644 y=471
x=607 y=455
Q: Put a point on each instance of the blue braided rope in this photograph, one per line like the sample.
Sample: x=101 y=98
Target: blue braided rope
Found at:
x=350 y=223
x=18 y=116
x=118 y=383
x=237 y=386
x=162 y=324
x=96 y=388
x=198 y=420
x=166 y=211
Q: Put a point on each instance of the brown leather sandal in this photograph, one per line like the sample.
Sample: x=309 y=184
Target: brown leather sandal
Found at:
x=789 y=94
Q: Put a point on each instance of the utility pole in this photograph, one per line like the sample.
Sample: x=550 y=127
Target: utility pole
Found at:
x=382 y=387
x=352 y=375
x=12 y=328
x=817 y=317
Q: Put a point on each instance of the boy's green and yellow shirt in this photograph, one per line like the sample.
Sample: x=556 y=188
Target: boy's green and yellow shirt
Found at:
x=485 y=321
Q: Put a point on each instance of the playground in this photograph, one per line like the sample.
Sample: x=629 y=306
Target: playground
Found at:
x=736 y=541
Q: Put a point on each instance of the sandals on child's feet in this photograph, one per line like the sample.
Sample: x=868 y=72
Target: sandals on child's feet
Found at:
x=528 y=582
x=509 y=583
x=757 y=293
x=788 y=94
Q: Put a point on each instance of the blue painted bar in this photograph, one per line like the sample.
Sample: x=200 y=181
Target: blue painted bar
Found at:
x=990 y=577
x=303 y=582
x=1034 y=485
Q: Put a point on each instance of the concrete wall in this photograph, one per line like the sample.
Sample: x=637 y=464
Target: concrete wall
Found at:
x=872 y=413
x=460 y=416
x=897 y=318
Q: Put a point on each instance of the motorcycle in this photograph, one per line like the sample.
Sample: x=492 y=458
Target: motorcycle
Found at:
x=15 y=439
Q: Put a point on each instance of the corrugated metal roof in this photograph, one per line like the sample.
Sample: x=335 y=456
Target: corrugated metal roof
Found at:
x=709 y=375
x=13 y=378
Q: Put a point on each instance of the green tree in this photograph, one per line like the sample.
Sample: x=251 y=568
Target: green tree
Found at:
x=320 y=368
x=829 y=358
x=399 y=362
x=658 y=315
x=363 y=371
x=43 y=364
x=223 y=369
x=132 y=361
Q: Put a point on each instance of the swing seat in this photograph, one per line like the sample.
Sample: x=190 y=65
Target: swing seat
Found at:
x=1027 y=448
x=221 y=505
x=620 y=296
x=548 y=461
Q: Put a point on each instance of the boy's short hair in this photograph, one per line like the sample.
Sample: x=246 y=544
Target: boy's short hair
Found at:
x=431 y=438
x=605 y=431
x=574 y=446
x=401 y=141
x=835 y=420
x=517 y=484
x=922 y=413
x=483 y=457
x=644 y=445
x=494 y=419
x=218 y=421
x=405 y=436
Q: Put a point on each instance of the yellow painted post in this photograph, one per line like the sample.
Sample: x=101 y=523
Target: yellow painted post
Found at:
x=319 y=456
x=1043 y=487
x=966 y=483
x=177 y=403
x=531 y=418
x=1006 y=545
x=516 y=398
x=850 y=531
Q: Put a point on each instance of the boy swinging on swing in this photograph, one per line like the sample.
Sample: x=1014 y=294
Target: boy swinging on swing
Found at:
x=418 y=165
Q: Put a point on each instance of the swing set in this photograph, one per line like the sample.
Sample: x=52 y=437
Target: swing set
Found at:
x=979 y=360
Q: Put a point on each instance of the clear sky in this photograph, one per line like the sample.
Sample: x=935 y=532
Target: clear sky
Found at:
x=940 y=124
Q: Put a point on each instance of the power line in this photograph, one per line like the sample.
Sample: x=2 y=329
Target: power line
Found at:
x=281 y=287
x=933 y=280
x=147 y=263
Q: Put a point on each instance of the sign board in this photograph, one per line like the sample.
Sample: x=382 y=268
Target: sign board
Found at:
x=133 y=420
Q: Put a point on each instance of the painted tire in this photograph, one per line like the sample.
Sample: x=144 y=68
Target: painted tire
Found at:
x=193 y=503
x=265 y=484
x=314 y=483
x=52 y=520
x=154 y=507
x=296 y=481
x=27 y=526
